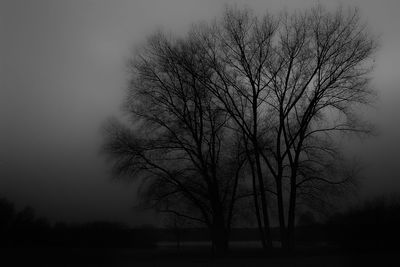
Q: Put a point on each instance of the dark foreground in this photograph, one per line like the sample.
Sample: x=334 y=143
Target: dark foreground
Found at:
x=192 y=256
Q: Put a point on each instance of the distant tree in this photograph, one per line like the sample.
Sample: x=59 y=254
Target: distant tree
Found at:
x=306 y=218
x=7 y=213
x=25 y=218
x=370 y=224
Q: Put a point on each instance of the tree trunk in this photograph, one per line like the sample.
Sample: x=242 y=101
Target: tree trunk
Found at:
x=264 y=206
x=278 y=180
x=293 y=196
x=281 y=215
x=292 y=216
x=255 y=198
x=257 y=206
x=220 y=238
x=219 y=228
x=256 y=149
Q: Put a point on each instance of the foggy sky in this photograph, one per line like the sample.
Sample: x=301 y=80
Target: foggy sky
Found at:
x=62 y=74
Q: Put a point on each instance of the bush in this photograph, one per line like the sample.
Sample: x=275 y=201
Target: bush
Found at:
x=375 y=224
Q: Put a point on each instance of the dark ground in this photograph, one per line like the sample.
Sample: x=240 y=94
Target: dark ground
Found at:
x=192 y=256
x=366 y=236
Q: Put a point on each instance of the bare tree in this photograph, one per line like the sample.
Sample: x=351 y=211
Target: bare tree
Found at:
x=270 y=94
x=179 y=143
x=290 y=84
x=325 y=61
x=235 y=49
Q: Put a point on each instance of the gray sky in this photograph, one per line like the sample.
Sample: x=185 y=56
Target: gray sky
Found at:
x=62 y=74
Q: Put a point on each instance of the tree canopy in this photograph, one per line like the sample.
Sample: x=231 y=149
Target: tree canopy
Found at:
x=246 y=104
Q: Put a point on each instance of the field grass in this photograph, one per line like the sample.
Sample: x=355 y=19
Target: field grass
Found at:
x=192 y=255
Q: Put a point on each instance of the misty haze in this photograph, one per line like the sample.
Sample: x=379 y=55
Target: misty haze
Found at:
x=204 y=133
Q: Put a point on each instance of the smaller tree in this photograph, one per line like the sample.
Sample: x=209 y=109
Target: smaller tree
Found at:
x=7 y=214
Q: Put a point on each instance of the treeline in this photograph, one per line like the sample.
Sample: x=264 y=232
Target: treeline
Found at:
x=24 y=229
x=372 y=225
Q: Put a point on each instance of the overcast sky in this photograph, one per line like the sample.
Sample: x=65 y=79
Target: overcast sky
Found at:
x=62 y=74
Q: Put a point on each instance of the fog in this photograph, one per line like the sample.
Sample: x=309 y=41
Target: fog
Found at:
x=63 y=74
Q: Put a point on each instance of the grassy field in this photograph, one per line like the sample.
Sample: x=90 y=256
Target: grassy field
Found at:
x=191 y=256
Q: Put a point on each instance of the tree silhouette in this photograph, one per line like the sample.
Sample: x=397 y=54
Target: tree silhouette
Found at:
x=268 y=94
x=291 y=84
x=7 y=213
x=180 y=144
